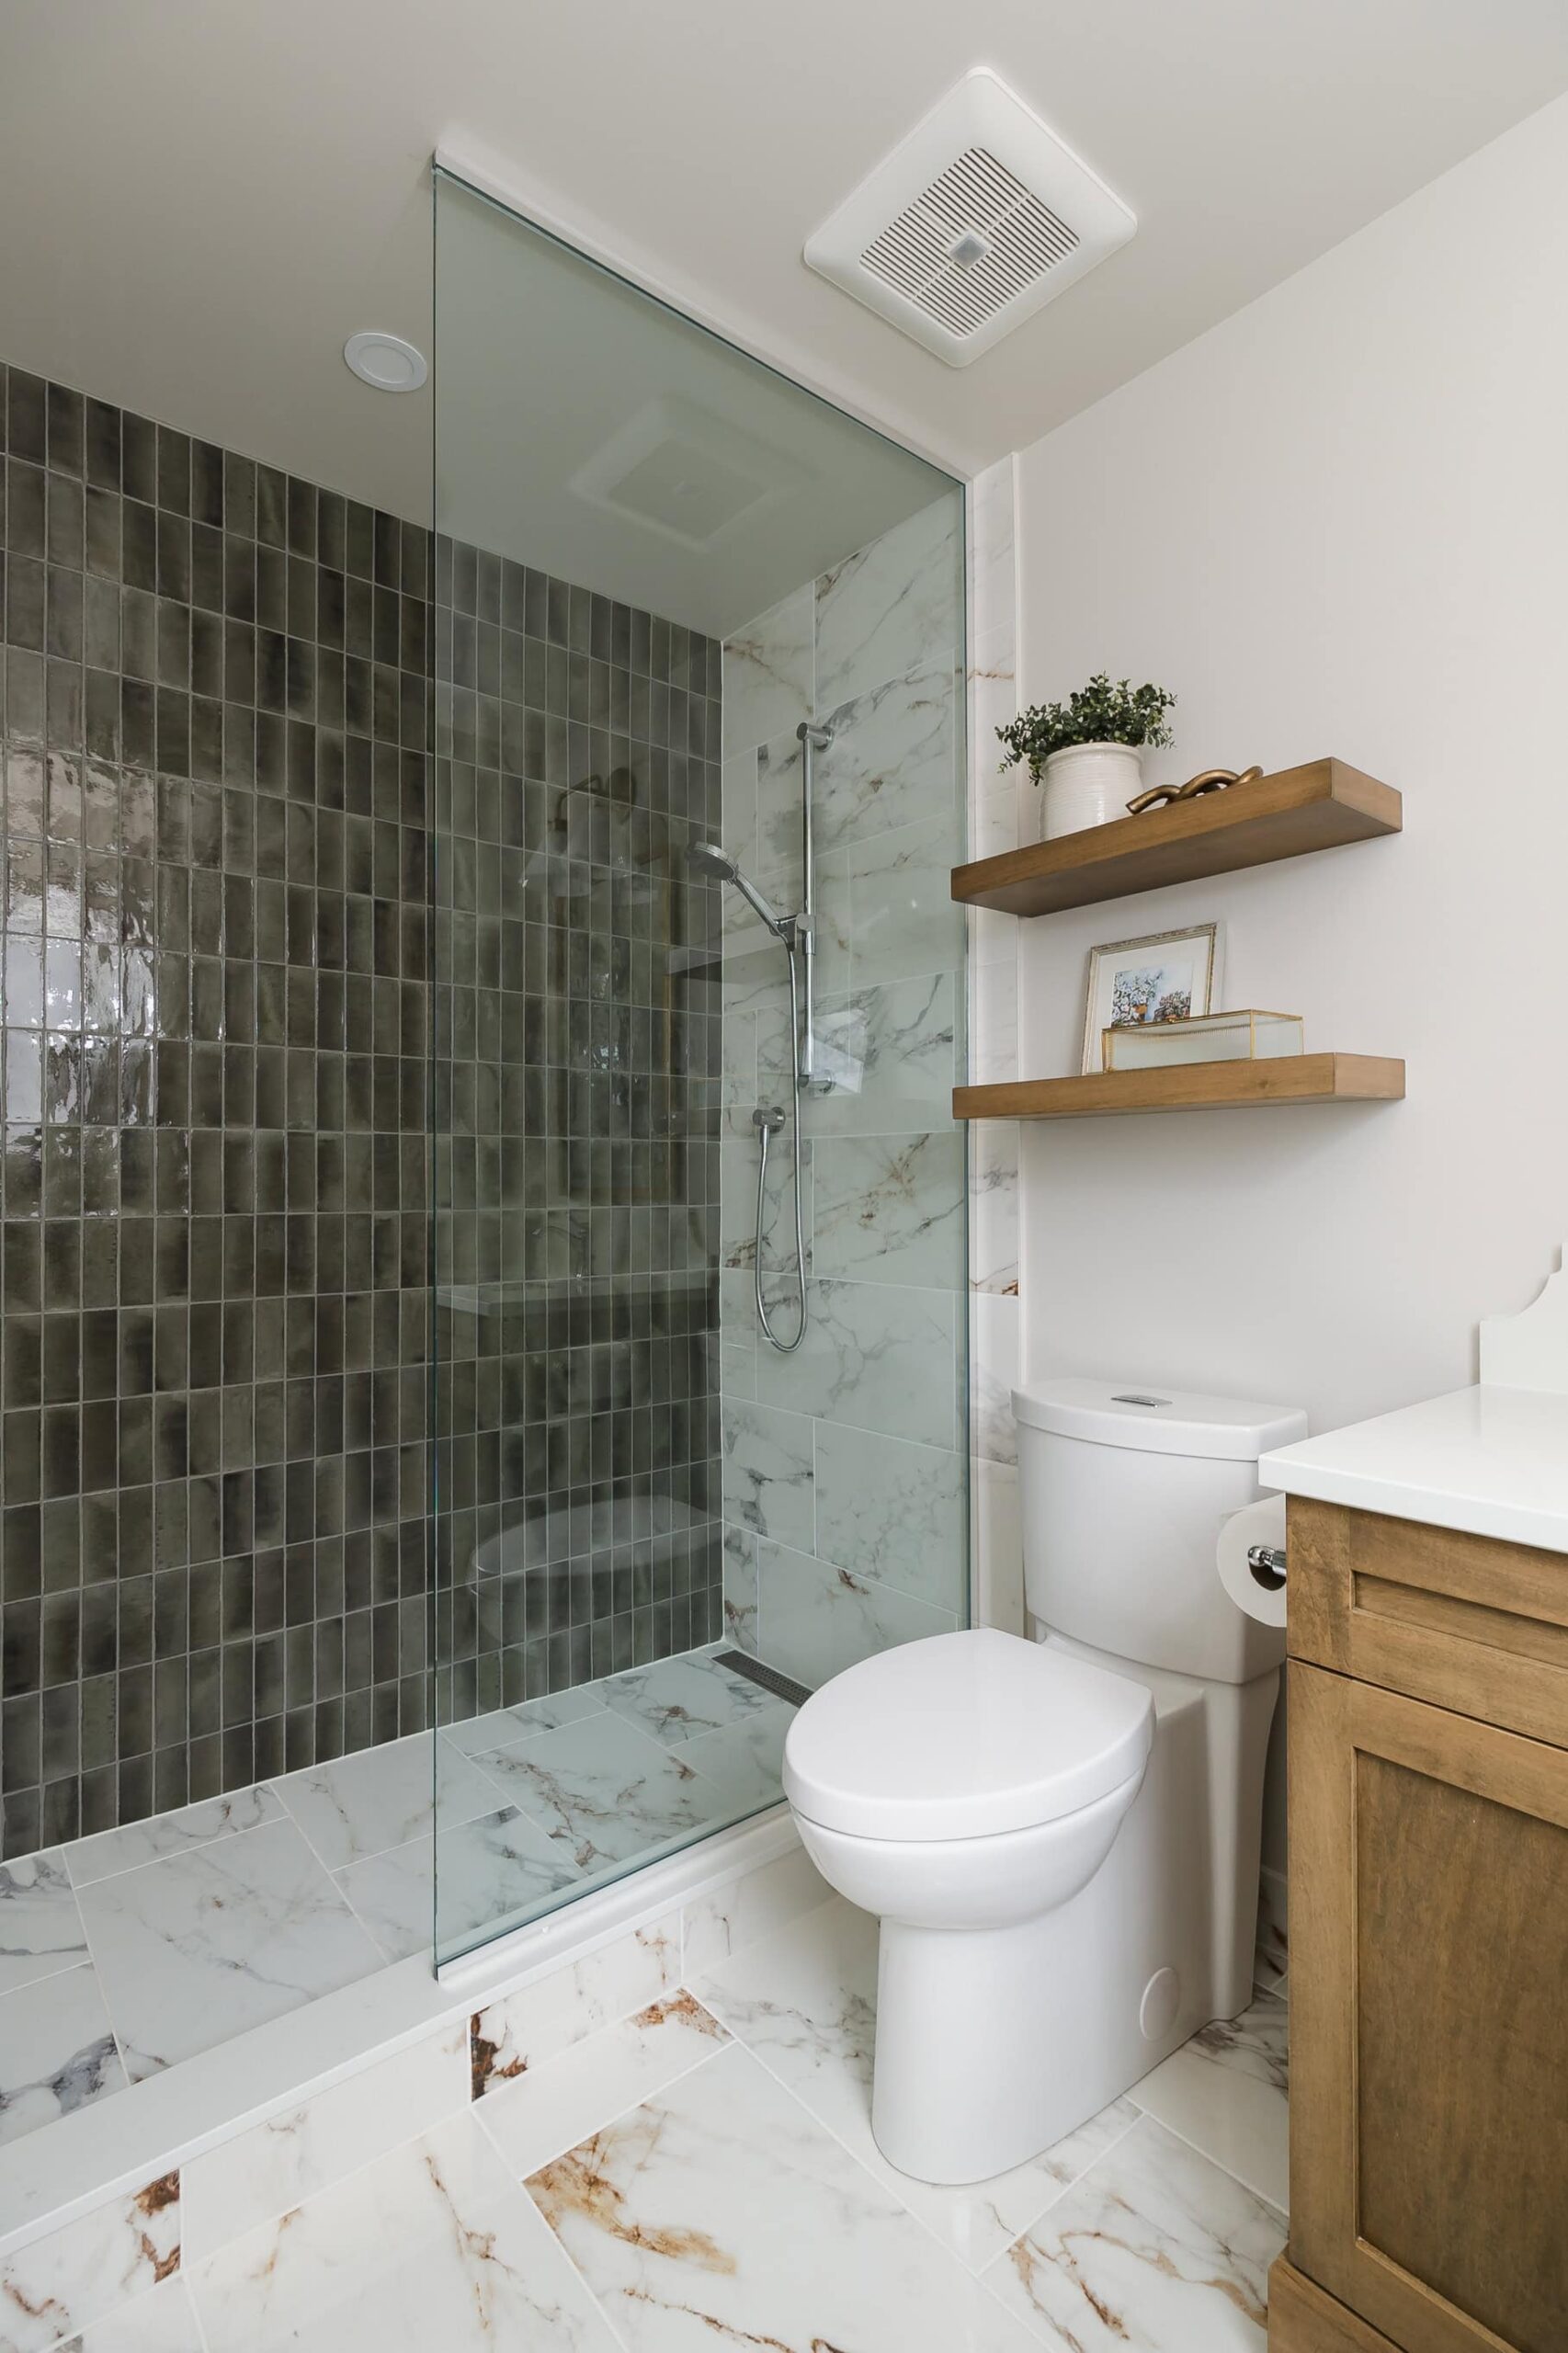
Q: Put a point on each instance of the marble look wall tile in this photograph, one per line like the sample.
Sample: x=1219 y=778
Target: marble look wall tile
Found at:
x=602 y=1791
x=41 y=1926
x=737 y=786
x=997 y=1545
x=171 y=1834
x=435 y=2245
x=893 y=1511
x=890 y=1209
x=738 y=1336
x=1225 y=2093
x=758 y=1904
x=740 y=1587
x=737 y=1199
x=474 y=1873
x=163 y=2321
x=1153 y=2251
x=261 y=2173
x=65 y=2281
x=781 y=846
x=892 y=1054
x=767 y=1472
x=893 y=760
x=994 y=821
x=994 y=1022
x=892 y=604
x=995 y=1339
x=550 y=2109
x=720 y=2212
x=816 y=1619
x=57 y=2050
x=875 y=1357
x=767 y=674
x=994 y=1146
x=198 y=1947
x=378 y=1798
x=903 y=920
x=524 y=2029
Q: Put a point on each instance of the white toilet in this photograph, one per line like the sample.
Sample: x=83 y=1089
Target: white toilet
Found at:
x=1060 y=1836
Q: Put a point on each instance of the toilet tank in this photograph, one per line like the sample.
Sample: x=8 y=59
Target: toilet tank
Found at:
x=1122 y=1490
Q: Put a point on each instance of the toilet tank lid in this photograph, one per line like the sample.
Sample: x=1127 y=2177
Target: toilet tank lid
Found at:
x=1148 y=1419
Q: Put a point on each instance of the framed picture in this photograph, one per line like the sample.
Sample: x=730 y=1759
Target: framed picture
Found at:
x=1170 y=976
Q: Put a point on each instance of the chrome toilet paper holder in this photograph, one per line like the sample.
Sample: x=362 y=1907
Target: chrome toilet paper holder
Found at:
x=1267 y=1563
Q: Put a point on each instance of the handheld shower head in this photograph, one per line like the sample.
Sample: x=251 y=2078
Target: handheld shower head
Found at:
x=708 y=859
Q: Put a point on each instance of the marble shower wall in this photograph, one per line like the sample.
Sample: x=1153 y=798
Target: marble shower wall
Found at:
x=844 y=1478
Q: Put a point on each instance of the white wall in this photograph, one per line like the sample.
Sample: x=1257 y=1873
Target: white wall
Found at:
x=1337 y=523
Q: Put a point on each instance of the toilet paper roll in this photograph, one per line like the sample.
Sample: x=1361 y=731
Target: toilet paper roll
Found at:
x=1260 y=1523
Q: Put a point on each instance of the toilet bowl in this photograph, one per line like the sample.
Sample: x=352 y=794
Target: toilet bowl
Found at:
x=1059 y=1835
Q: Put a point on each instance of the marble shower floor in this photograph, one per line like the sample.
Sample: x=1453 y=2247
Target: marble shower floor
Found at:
x=124 y=1954
x=702 y=2174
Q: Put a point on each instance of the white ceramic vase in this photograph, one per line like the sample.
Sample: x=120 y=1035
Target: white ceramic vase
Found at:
x=1088 y=784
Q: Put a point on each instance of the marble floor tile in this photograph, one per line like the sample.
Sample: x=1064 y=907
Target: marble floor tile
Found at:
x=677 y=1699
x=1225 y=2092
x=721 y=2213
x=378 y=1798
x=57 y=2050
x=804 y=2003
x=112 y=1851
x=41 y=1927
x=603 y=1791
x=198 y=1947
x=519 y=2032
x=163 y=2321
x=476 y=1873
x=745 y=1759
x=435 y=2246
x=502 y=1727
x=1155 y=2250
x=549 y=2109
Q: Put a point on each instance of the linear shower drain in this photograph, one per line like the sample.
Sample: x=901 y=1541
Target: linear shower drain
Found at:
x=783 y=1686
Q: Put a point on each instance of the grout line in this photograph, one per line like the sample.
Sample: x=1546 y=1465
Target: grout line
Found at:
x=197 y=1846
x=704 y=2059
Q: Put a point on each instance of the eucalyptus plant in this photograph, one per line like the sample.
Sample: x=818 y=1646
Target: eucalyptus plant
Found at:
x=1098 y=713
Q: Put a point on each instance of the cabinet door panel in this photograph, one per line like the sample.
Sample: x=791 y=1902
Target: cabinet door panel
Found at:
x=1429 y=2019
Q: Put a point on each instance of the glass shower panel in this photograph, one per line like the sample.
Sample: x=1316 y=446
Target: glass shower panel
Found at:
x=668 y=581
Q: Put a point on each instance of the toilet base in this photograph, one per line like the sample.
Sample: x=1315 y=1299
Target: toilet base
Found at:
x=993 y=2044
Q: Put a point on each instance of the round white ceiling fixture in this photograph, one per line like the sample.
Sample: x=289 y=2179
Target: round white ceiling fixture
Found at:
x=386 y=361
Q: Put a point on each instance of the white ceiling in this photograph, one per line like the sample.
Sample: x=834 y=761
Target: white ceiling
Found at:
x=200 y=199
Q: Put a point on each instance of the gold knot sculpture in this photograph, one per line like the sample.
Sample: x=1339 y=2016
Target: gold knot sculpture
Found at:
x=1206 y=781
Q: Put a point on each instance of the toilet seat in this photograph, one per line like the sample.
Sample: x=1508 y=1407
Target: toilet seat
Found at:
x=963 y=1735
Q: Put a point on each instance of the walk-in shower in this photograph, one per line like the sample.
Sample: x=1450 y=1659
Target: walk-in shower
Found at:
x=697 y=658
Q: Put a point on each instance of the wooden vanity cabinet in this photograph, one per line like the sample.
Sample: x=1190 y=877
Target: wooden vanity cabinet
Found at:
x=1429 y=1808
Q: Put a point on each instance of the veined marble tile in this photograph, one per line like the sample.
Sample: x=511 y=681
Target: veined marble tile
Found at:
x=602 y=1791
x=262 y=2173
x=891 y=1052
x=993 y=825
x=995 y=1339
x=804 y=2002
x=163 y=2321
x=994 y=1206
x=40 y=1928
x=676 y=1699
x=504 y=1727
x=452 y=1885
x=737 y=786
x=740 y=1586
x=903 y=920
x=876 y=1356
x=732 y=1918
x=550 y=2109
x=768 y=1471
x=893 y=760
x=198 y=1947
x=890 y=1209
x=890 y=604
x=434 y=2246
x=780 y=846
x=767 y=672
x=745 y=1759
x=738 y=1061
x=1225 y=2092
x=1272 y=1966
x=737 y=1199
x=170 y=1834
x=816 y=1619
x=993 y=1022
x=721 y=2213
x=378 y=1798
x=1155 y=2250
x=893 y=1511
x=57 y=2050
x=63 y=2282
x=523 y=2031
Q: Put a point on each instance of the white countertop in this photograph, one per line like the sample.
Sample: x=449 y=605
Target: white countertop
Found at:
x=1491 y=1462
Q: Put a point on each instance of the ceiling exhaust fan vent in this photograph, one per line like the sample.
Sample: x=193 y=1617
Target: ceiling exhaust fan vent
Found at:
x=975 y=222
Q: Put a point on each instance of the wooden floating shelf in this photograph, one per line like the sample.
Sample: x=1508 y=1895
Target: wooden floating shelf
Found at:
x=1317 y=806
x=1189 y=1086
